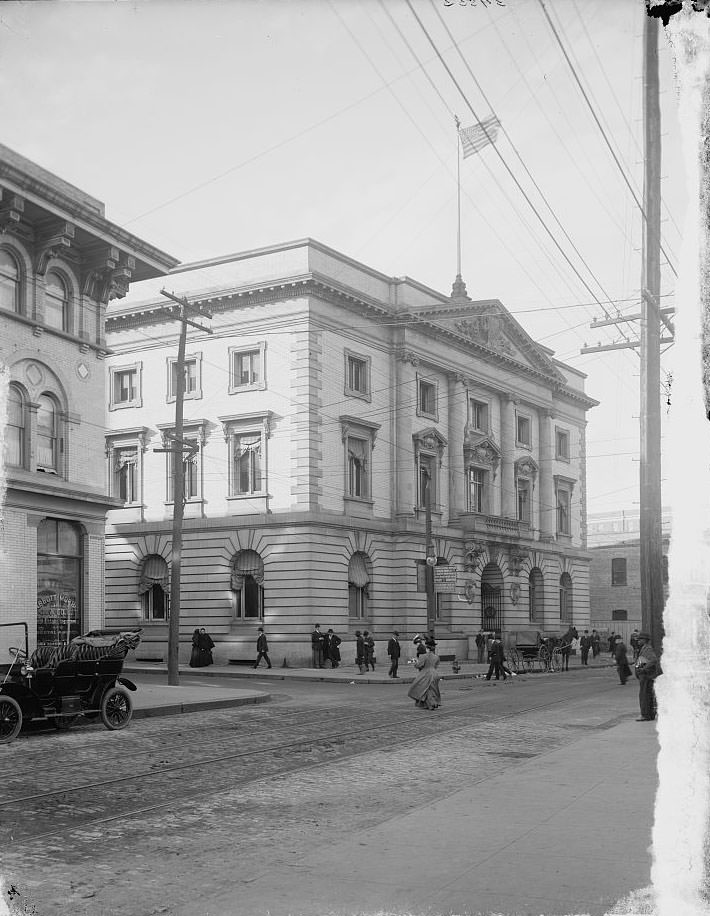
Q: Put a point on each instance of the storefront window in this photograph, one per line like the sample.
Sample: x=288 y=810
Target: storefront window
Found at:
x=59 y=568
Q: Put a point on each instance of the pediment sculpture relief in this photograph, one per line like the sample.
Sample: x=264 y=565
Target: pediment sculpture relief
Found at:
x=486 y=330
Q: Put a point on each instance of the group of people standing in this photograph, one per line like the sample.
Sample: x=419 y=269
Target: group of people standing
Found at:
x=324 y=648
x=202 y=646
x=646 y=668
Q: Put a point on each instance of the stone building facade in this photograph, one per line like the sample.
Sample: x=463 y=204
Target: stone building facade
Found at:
x=61 y=261
x=325 y=398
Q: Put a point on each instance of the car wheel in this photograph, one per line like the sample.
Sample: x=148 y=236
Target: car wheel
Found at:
x=116 y=708
x=10 y=719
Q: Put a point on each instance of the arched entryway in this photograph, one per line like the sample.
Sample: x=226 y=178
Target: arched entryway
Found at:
x=492 y=597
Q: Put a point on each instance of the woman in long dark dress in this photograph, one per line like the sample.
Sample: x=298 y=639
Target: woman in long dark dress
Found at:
x=425 y=688
x=195 y=659
x=206 y=645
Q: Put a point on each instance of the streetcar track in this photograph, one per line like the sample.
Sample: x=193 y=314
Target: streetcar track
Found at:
x=299 y=765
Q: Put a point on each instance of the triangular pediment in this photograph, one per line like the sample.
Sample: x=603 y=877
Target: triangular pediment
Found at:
x=430 y=438
x=481 y=450
x=492 y=327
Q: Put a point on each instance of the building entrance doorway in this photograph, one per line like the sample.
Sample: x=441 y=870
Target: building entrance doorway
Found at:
x=492 y=598
x=59 y=574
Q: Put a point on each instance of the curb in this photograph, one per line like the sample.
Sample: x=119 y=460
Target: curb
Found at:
x=172 y=709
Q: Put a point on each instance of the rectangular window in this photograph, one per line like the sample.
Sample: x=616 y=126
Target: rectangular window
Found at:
x=562 y=444
x=618 y=571
x=427 y=398
x=476 y=490
x=523 y=431
x=427 y=479
x=357 y=381
x=246 y=464
x=524 y=501
x=191 y=472
x=125 y=475
x=563 y=511
x=192 y=379
x=358 y=482
x=478 y=415
x=246 y=368
x=125 y=386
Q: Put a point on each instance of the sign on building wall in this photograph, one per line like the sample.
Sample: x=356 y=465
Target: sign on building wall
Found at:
x=445 y=579
x=56 y=619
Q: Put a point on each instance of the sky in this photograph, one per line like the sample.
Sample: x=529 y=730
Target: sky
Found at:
x=215 y=127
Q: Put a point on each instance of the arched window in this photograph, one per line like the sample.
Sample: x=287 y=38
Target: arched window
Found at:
x=535 y=595
x=248 y=585
x=565 y=598
x=154 y=588
x=359 y=584
x=47 y=440
x=15 y=437
x=10 y=282
x=56 y=302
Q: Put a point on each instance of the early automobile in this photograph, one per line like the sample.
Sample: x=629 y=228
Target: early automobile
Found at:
x=61 y=683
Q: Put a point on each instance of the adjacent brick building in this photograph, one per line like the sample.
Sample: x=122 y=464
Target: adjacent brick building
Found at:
x=325 y=398
x=61 y=261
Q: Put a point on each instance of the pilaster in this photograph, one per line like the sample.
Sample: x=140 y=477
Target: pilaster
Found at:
x=457 y=427
x=507 y=461
x=547 y=506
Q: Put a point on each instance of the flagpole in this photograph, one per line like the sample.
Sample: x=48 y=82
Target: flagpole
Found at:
x=458 y=198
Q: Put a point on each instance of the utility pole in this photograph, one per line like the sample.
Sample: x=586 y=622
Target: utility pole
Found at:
x=177 y=451
x=430 y=556
x=652 y=599
x=649 y=344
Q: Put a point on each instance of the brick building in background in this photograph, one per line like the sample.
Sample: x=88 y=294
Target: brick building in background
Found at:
x=615 y=571
x=324 y=397
x=61 y=261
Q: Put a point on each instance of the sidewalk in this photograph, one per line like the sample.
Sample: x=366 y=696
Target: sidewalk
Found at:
x=346 y=673
x=161 y=700
x=564 y=833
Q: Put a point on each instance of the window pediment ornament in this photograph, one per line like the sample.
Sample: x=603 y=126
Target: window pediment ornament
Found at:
x=567 y=483
x=359 y=428
x=246 y=421
x=481 y=451
x=526 y=467
x=429 y=440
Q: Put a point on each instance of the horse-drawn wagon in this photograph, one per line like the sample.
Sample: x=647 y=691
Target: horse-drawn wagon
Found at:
x=534 y=650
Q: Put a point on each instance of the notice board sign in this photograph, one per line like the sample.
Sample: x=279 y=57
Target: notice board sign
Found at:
x=56 y=619
x=445 y=579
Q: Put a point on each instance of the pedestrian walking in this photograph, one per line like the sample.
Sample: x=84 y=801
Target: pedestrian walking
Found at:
x=360 y=651
x=394 y=650
x=612 y=643
x=496 y=657
x=317 y=641
x=425 y=690
x=647 y=669
x=206 y=646
x=195 y=658
x=332 y=650
x=420 y=643
x=262 y=649
x=480 y=646
x=585 y=644
x=596 y=644
x=369 y=650
x=622 y=661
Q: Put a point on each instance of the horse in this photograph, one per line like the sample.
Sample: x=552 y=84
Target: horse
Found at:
x=564 y=644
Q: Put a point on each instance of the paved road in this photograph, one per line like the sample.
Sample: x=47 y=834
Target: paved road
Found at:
x=192 y=813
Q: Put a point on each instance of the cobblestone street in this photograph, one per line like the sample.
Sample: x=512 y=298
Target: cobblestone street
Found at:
x=173 y=812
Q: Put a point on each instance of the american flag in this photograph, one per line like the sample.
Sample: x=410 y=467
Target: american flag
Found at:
x=473 y=139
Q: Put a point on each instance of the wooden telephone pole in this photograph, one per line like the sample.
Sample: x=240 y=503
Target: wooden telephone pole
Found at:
x=180 y=452
x=649 y=344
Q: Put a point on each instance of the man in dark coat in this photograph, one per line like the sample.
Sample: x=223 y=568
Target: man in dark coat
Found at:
x=622 y=661
x=596 y=644
x=332 y=652
x=647 y=670
x=480 y=646
x=496 y=657
x=317 y=640
x=369 y=650
x=262 y=648
x=394 y=650
x=585 y=644
x=360 y=651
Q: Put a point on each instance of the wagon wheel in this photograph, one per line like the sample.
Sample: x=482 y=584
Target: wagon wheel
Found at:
x=517 y=660
x=10 y=719
x=64 y=723
x=116 y=709
x=530 y=662
x=556 y=660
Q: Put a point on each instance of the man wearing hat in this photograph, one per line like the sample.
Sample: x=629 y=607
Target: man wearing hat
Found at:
x=647 y=670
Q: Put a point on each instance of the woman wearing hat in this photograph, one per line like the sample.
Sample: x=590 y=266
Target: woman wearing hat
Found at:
x=647 y=670
x=425 y=686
